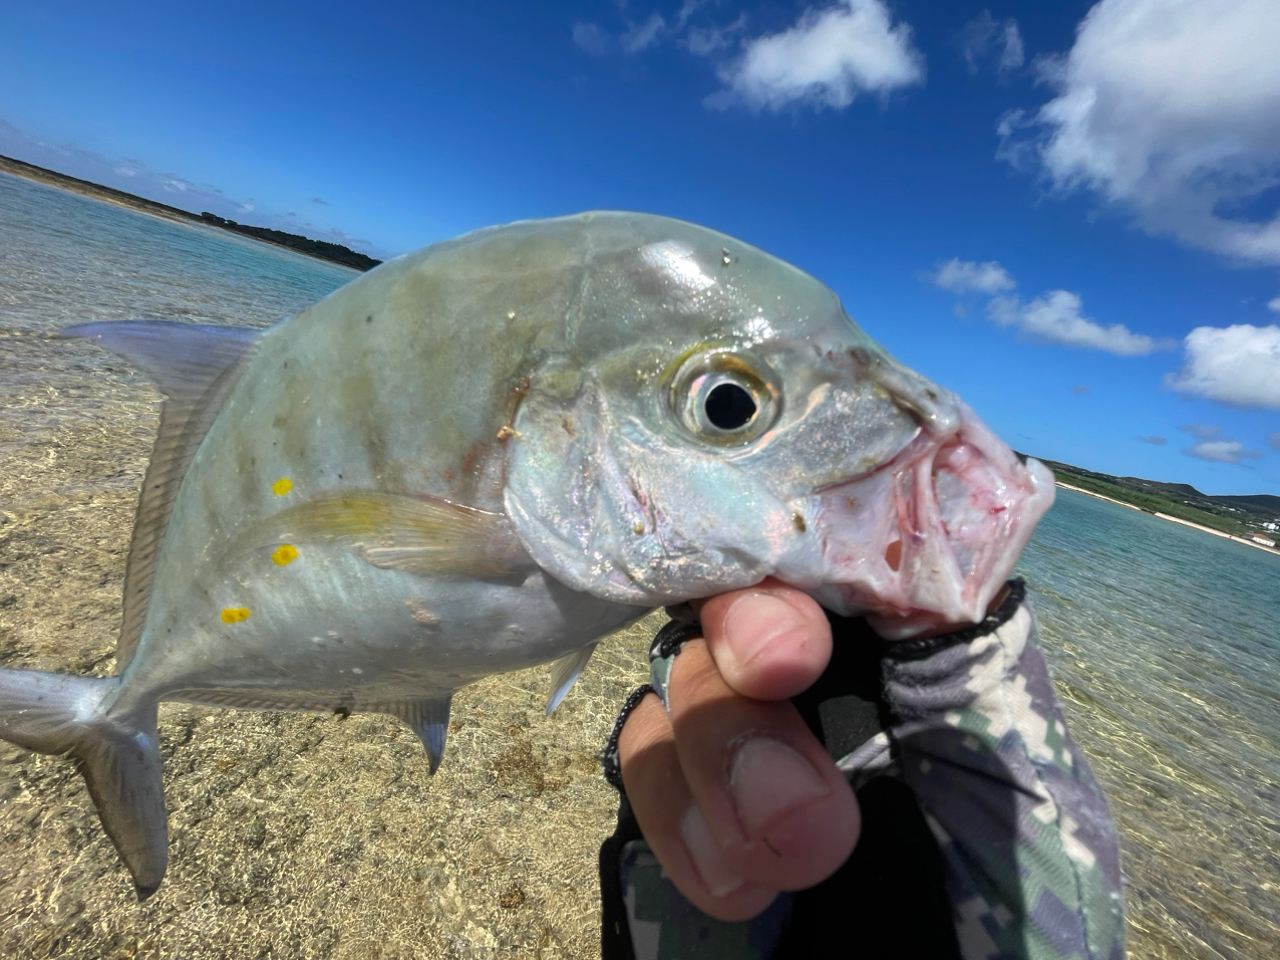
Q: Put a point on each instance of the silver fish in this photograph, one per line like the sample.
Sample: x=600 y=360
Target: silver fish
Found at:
x=491 y=453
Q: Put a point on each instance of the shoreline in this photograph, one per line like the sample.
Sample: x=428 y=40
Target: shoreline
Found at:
x=1165 y=516
x=153 y=208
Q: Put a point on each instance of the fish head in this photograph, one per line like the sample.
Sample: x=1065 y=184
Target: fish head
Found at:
x=715 y=417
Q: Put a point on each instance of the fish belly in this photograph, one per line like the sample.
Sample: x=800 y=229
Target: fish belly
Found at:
x=340 y=634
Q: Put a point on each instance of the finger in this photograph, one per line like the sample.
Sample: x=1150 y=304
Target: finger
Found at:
x=769 y=641
x=776 y=808
x=664 y=808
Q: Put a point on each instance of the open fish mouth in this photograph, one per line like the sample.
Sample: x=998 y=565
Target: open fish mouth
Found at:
x=930 y=537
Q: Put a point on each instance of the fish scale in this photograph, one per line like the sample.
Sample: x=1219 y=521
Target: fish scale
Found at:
x=493 y=452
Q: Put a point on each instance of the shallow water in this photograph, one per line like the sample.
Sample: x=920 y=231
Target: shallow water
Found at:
x=1165 y=645
x=65 y=259
x=325 y=839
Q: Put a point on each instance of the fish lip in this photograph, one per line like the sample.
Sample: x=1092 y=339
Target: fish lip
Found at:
x=929 y=537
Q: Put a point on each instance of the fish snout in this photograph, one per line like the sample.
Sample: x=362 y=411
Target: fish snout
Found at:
x=928 y=540
x=938 y=411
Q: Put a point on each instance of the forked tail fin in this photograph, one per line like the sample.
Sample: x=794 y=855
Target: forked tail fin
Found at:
x=119 y=759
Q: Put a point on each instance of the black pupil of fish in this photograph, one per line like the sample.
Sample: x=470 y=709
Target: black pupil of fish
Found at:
x=730 y=407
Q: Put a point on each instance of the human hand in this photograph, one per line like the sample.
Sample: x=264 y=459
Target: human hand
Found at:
x=735 y=796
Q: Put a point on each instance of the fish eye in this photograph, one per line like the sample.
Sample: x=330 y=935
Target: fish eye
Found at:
x=730 y=406
x=725 y=397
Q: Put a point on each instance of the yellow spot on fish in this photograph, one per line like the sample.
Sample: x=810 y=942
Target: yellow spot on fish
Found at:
x=285 y=554
x=234 y=614
x=282 y=486
x=506 y=433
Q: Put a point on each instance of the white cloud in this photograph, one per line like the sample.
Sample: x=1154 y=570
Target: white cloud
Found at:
x=636 y=38
x=1274 y=305
x=641 y=36
x=825 y=60
x=1222 y=451
x=1155 y=440
x=1237 y=365
x=964 y=276
x=1202 y=431
x=687 y=10
x=983 y=34
x=1055 y=318
x=1214 y=446
x=1273 y=440
x=1014 y=54
x=706 y=41
x=1169 y=108
x=591 y=38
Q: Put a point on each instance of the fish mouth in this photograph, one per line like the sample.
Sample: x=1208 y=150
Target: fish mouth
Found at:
x=928 y=539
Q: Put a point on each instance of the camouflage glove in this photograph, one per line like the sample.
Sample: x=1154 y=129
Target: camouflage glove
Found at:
x=984 y=833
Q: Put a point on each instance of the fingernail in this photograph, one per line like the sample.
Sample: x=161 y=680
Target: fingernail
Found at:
x=719 y=879
x=757 y=620
x=767 y=778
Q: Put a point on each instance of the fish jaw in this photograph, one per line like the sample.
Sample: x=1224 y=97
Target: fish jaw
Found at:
x=929 y=539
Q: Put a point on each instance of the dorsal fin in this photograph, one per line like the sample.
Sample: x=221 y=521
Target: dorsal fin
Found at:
x=194 y=366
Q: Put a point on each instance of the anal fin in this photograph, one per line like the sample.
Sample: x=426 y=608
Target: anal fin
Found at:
x=429 y=719
x=564 y=674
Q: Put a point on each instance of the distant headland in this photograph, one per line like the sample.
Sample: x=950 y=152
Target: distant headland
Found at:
x=1254 y=520
x=321 y=249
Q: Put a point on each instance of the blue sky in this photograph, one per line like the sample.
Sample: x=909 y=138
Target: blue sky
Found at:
x=1066 y=213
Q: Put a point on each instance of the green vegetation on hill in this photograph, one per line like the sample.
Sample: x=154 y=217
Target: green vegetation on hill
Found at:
x=316 y=248
x=1234 y=515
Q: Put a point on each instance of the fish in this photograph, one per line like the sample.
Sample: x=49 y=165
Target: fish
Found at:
x=492 y=453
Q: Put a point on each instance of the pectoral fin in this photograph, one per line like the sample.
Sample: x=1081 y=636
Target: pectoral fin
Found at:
x=565 y=673
x=395 y=531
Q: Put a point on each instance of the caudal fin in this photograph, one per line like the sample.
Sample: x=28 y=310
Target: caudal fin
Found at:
x=119 y=760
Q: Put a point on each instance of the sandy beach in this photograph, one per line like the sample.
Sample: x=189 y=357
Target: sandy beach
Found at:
x=1165 y=516
x=291 y=835
x=106 y=194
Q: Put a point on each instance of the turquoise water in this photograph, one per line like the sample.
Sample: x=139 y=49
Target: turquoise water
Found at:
x=1165 y=645
x=1164 y=640
x=66 y=259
